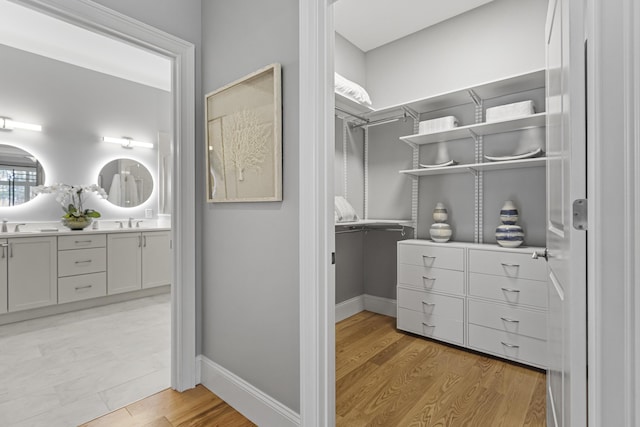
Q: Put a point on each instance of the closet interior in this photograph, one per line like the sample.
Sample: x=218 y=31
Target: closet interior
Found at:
x=468 y=148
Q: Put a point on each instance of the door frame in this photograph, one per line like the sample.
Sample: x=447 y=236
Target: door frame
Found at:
x=102 y=20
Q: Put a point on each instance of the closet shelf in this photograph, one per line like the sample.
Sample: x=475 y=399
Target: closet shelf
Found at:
x=376 y=222
x=350 y=106
x=474 y=167
x=479 y=129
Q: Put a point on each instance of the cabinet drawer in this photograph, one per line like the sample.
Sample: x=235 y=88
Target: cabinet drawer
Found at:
x=430 y=303
x=431 y=279
x=82 y=242
x=83 y=261
x=442 y=328
x=431 y=256
x=503 y=318
x=511 y=346
x=509 y=290
x=81 y=287
x=508 y=264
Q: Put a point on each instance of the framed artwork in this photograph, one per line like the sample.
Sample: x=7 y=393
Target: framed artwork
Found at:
x=244 y=139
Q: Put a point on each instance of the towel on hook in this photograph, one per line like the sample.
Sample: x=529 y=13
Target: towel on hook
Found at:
x=115 y=193
x=131 y=191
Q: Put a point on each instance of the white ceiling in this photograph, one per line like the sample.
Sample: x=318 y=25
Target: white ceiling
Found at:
x=25 y=29
x=369 y=24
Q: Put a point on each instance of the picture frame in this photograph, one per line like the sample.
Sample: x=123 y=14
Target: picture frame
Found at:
x=244 y=139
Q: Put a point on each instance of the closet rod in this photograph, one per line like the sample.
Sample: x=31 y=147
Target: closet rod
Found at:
x=380 y=121
x=351 y=114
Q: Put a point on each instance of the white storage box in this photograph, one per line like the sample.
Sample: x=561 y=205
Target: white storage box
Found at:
x=437 y=125
x=510 y=111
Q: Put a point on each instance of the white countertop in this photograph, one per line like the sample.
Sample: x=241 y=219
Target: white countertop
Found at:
x=57 y=229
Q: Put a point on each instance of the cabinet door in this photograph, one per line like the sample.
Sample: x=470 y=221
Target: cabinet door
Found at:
x=124 y=259
x=32 y=272
x=3 y=276
x=156 y=259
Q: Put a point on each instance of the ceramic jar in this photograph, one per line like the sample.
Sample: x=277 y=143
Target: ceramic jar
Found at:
x=440 y=231
x=509 y=234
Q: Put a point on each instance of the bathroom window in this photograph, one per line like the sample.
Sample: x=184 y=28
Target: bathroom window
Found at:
x=16 y=183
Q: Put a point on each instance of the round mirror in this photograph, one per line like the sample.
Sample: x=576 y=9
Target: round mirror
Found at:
x=127 y=182
x=19 y=171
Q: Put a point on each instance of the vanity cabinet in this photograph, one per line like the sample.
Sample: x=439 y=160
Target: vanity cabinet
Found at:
x=138 y=261
x=3 y=276
x=82 y=265
x=32 y=272
x=483 y=297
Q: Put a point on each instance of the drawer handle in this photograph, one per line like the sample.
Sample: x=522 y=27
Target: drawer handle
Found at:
x=509 y=265
x=509 y=345
x=82 y=242
x=83 y=262
x=428 y=325
x=506 y=319
x=428 y=256
x=430 y=304
x=511 y=290
x=83 y=287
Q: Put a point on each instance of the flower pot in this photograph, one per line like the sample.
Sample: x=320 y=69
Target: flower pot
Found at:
x=79 y=223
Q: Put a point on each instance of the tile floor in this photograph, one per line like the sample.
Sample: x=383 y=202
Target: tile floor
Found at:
x=64 y=370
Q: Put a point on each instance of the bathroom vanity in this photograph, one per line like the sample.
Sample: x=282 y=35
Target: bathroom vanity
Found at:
x=41 y=268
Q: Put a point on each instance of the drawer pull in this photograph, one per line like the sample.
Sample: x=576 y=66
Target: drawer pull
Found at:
x=428 y=325
x=509 y=345
x=430 y=304
x=77 y=288
x=428 y=256
x=509 y=265
x=511 y=290
x=506 y=319
x=83 y=242
x=83 y=262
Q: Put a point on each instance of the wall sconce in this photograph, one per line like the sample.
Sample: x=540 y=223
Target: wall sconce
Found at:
x=127 y=142
x=7 y=124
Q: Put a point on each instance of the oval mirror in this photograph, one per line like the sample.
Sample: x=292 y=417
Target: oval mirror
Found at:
x=127 y=182
x=19 y=171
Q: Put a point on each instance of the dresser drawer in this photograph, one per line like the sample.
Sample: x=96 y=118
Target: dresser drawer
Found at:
x=511 y=346
x=432 y=326
x=76 y=288
x=430 y=303
x=503 y=318
x=431 y=279
x=84 y=261
x=82 y=242
x=431 y=256
x=509 y=290
x=508 y=264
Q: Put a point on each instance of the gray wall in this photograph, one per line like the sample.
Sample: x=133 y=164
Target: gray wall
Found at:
x=349 y=61
x=76 y=107
x=350 y=173
x=349 y=265
x=501 y=38
x=250 y=296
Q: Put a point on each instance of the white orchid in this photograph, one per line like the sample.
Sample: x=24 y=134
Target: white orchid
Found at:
x=71 y=198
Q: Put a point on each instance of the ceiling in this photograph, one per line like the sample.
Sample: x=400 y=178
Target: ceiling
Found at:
x=34 y=32
x=369 y=24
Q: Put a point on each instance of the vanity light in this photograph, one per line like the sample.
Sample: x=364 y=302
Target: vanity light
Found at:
x=8 y=124
x=127 y=142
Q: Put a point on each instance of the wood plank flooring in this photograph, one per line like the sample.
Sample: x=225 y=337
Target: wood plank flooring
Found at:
x=194 y=408
x=384 y=377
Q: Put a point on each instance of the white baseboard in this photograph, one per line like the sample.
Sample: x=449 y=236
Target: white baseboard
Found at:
x=254 y=404
x=381 y=305
x=362 y=302
x=349 y=307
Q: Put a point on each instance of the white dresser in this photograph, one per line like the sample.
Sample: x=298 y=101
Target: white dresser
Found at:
x=483 y=297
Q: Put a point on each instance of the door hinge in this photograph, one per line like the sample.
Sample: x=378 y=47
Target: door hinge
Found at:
x=333 y=258
x=580 y=214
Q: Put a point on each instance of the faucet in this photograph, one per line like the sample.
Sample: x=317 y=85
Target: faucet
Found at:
x=130 y=222
x=4 y=225
x=17 y=229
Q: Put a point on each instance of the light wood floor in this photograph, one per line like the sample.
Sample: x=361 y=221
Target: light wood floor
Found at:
x=195 y=407
x=388 y=378
x=384 y=377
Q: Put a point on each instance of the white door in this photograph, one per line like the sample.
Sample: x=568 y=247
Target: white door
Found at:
x=156 y=259
x=3 y=275
x=566 y=183
x=124 y=262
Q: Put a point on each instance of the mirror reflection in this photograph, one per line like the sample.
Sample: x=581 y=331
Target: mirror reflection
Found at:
x=127 y=182
x=19 y=171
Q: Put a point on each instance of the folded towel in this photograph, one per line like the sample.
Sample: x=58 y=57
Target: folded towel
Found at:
x=437 y=125
x=510 y=111
x=351 y=90
x=343 y=211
